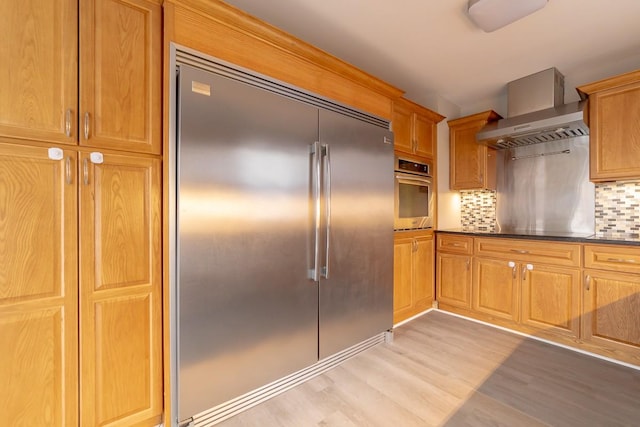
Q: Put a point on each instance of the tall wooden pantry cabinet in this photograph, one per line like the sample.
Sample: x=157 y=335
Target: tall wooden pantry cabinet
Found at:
x=80 y=220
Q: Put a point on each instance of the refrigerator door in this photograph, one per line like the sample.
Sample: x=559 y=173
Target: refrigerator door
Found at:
x=247 y=310
x=356 y=300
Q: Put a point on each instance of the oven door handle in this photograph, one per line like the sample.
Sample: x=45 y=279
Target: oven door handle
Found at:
x=414 y=178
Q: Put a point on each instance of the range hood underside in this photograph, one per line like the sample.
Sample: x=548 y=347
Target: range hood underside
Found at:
x=552 y=124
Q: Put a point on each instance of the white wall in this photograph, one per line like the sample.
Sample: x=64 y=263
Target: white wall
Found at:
x=448 y=200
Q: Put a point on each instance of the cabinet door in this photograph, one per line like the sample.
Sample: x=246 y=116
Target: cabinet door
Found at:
x=425 y=134
x=423 y=273
x=454 y=279
x=38 y=288
x=402 y=277
x=611 y=307
x=38 y=77
x=468 y=159
x=551 y=298
x=615 y=133
x=120 y=291
x=120 y=75
x=402 y=133
x=495 y=288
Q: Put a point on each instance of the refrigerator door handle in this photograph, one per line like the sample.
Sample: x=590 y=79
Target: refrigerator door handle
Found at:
x=314 y=272
x=326 y=155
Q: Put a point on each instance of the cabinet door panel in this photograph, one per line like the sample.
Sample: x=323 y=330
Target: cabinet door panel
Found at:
x=551 y=299
x=494 y=288
x=120 y=290
x=423 y=279
x=38 y=77
x=402 y=277
x=38 y=287
x=454 y=279
x=472 y=166
x=425 y=134
x=401 y=122
x=120 y=83
x=615 y=133
x=611 y=307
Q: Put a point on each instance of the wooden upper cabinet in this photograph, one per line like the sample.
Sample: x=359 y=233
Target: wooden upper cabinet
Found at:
x=120 y=290
x=401 y=125
x=414 y=128
x=38 y=287
x=614 y=128
x=120 y=75
x=38 y=76
x=472 y=166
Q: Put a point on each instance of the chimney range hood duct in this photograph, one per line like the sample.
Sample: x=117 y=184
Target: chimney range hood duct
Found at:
x=536 y=113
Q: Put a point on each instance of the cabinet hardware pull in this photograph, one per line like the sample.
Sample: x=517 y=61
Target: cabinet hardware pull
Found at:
x=519 y=251
x=588 y=282
x=85 y=171
x=67 y=123
x=626 y=261
x=67 y=170
x=86 y=125
x=456 y=245
x=524 y=274
x=513 y=266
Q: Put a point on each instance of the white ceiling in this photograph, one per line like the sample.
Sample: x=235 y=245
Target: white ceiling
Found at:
x=431 y=49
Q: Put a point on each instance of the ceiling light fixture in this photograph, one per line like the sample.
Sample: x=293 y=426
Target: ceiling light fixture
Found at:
x=493 y=14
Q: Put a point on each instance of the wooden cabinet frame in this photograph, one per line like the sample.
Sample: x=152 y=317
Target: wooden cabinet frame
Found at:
x=614 y=129
x=413 y=274
x=472 y=166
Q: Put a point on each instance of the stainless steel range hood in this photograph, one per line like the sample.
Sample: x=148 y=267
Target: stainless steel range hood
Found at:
x=536 y=113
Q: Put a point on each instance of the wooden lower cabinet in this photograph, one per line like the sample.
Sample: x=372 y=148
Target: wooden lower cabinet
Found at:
x=551 y=298
x=79 y=349
x=585 y=296
x=120 y=294
x=495 y=288
x=612 y=309
x=38 y=288
x=413 y=290
x=453 y=279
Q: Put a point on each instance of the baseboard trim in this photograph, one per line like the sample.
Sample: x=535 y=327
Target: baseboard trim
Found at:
x=412 y=318
x=533 y=337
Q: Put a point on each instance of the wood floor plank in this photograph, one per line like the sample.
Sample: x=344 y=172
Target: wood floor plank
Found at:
x=442 y=370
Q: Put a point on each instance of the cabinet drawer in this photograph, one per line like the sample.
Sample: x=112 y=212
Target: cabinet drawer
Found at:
x=547 y=252
x=455 y=244
x=610 y=257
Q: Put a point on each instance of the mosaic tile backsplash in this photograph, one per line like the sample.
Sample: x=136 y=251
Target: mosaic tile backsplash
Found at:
x=478 y=210
x=618 y=208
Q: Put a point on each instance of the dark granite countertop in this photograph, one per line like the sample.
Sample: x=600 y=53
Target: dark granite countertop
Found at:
x=609 y=238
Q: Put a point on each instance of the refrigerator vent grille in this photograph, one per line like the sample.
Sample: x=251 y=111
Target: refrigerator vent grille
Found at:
x=233 y=407
x=231 y=71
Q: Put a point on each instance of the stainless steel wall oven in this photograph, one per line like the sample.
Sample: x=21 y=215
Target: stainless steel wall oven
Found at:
x=413 y=194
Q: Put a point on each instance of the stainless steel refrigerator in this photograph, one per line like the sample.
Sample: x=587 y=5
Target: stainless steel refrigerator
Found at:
x=284 y=233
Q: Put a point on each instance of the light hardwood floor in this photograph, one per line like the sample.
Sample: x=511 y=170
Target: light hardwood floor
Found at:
x=445 y=371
